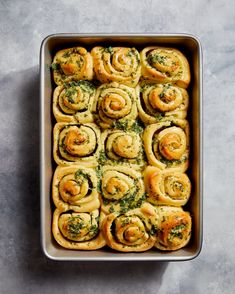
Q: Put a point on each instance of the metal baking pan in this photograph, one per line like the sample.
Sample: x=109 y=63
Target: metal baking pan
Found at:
x=191 y=47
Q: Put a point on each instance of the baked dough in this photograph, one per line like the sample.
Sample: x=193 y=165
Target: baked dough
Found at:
x=122 y=188
x=117 y=64
x=72 y=102
x=157 y=102
x=167 y=144
x=116 y=105
x=121 y=143
x=166 y=187
x=175 y=227
x=78 y=230
x=75 y=188
x=76 y=144
x=72 y=64
x=122 y=147
x=134 y=231
x=165 y=65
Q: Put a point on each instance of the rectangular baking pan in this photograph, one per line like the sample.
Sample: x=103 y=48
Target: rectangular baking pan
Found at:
x=191 y=47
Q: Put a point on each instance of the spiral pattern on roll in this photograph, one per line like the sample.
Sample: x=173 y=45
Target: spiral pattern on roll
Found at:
x=134 y=231
x=122 y=188
x=117 y=64
x=122 y=147
x=73 y=102
x=167 y=144
x=75 y=188
x=76 y=144
x=78 y=230
x=78 y=226
x=166 y=187
x=174 y=228
x=115 y=103
x=165 y=65
x=72 y=64
x=77 y=141
x=159 y=101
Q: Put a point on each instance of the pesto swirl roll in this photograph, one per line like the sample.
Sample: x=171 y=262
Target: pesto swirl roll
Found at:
x=117 y=64
x=122 y=147
x=74 y=143
x=72 y=64
x=175 y=227
x=122 y=189
x=165 y=65
x=72 y=102
x=75 y=188
x=158 y=101
x=166 y=144
x=166 y=187
x=78 y=230
x=115 y=103
x=133 y=231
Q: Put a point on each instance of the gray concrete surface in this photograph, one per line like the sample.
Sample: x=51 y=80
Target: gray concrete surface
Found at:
x=23 y=25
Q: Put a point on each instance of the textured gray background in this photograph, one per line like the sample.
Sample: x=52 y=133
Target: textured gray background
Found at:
x=23 y=25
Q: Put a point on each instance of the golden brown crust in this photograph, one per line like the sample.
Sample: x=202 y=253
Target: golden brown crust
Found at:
x=74 y=143
x=75 y=188
x=117 y=64
x=167 y=144
x=174 y=229
x=72 y=64
x=133 y=231
x=166 y=187
x=79 y=231
x=165 y=65
x=157 y=102
x=73 y=102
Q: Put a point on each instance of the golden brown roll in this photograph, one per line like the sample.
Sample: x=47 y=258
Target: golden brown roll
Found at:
x=78 y=230
x=159 y=101
x=166 y=144
x=122 y=147
x=72 y=102
x=74 y=143
x=134 y=231
x=75 y=188
x=72 y=64
x=165 y=65
x=116 y=105
x=166 y=187
x=122 y=189
x=117 y=64
x=175 y=227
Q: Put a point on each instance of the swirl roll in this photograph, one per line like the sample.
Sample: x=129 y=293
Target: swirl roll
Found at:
x=122 y=147
x=122 y=189
x=165 y=65
x=78 y=230
x=117 y=64
x=165 y=187
x=72 y=64
x=115 y=104
x=157 y=101
x=134 y=231
x=166 y=144
x=74 y=143
x=175 y=227
x=75 y=188
x=72 y=102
